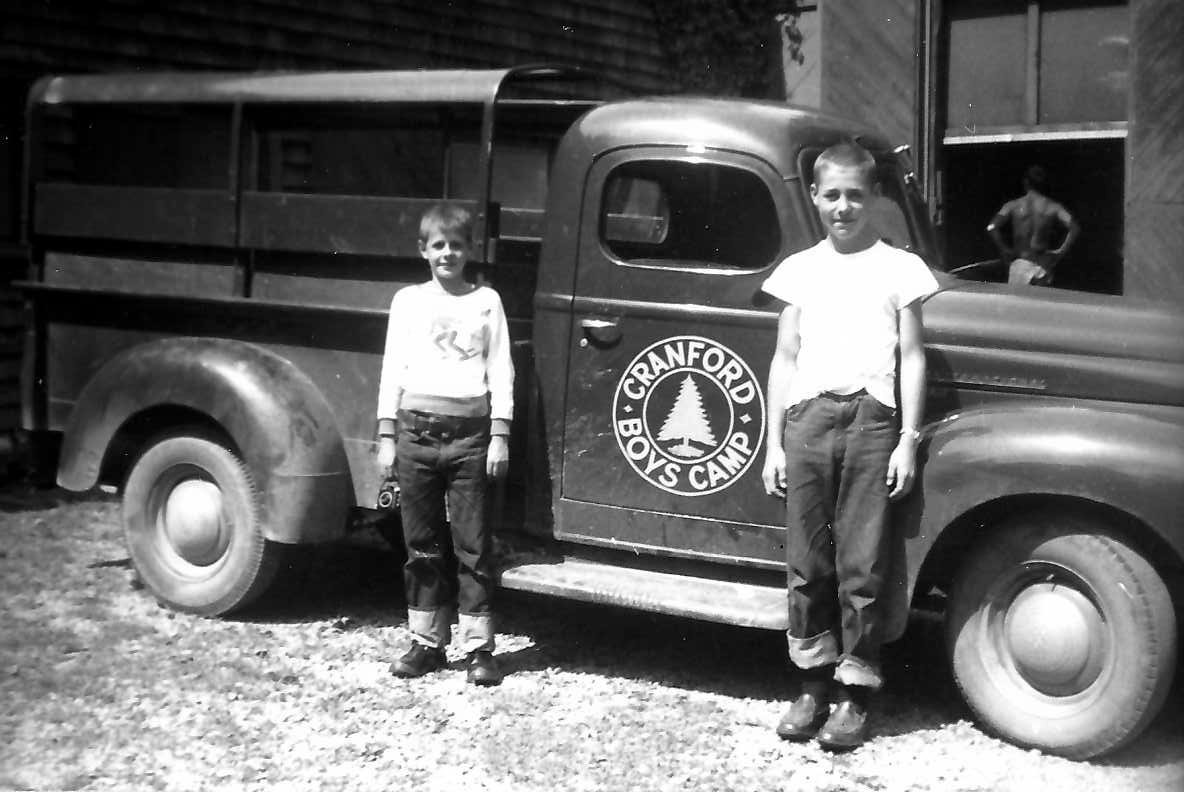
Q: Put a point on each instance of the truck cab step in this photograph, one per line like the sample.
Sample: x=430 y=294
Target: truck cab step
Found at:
x=743 y=604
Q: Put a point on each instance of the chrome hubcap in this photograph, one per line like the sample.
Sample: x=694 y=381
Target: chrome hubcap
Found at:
x=192 y=521
x=1056 y=638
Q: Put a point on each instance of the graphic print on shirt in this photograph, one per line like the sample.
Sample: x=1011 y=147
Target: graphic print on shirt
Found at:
x=456 y=341
x=689 y=415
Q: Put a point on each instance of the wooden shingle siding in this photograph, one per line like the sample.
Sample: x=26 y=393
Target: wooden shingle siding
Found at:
x=616 y=37
x=869 y=64
x=1154 y=232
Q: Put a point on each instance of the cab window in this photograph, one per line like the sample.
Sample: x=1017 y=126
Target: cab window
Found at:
x=686 y=214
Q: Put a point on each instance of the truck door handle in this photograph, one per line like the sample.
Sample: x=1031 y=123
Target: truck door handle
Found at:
x=602 y=332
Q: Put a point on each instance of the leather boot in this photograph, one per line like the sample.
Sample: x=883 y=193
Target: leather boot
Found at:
x=418 y=660
x=483 y=668
x=846 y=728
x=806 y=713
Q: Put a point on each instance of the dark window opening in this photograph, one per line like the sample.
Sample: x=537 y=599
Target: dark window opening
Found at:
x=1086 y=176
x=323 y=153
x=176 y=146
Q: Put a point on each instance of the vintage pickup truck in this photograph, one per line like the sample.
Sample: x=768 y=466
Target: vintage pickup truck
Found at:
x=213 y=255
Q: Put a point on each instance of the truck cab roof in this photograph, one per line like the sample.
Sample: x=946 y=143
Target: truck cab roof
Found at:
x=773 y=131
x=434 y=86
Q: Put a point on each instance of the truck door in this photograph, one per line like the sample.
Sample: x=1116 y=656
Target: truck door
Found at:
x=665 y=413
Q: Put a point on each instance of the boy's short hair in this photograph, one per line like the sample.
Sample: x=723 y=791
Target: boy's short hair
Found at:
x=848 y=154
x=446 y=217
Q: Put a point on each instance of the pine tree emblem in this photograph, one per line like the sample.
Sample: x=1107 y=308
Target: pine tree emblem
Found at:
x=686 y=422
x=714 y=415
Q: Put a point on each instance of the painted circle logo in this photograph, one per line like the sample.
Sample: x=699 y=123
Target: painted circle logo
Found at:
x=689 y=415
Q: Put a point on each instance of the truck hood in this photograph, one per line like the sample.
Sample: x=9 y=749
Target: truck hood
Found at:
x=1056 y=342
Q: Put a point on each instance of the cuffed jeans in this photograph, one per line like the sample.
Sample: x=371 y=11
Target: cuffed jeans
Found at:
x=438 y=457
x=838 y=532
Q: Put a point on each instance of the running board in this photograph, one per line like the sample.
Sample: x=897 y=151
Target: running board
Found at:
x=742 y=604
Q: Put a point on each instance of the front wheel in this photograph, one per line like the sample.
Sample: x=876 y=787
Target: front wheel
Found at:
x=191 y=519
x=1061 y=637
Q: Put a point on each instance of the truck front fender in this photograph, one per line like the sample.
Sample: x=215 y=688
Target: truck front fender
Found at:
x=1131 y=462
x=276 y=417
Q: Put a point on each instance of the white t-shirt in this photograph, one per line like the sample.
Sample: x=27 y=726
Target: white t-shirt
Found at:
x=441 y=344
x=849 y=304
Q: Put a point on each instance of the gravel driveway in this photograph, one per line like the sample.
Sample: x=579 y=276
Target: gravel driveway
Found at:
x=102 y=689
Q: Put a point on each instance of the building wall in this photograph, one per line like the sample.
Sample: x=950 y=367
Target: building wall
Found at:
x=616 y=36
x=870 y=63
x=1154 y=244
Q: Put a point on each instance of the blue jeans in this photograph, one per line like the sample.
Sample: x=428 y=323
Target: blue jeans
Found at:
x=439 y=457
x=838 y=532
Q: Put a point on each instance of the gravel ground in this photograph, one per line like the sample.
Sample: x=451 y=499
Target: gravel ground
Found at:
x=102 y=689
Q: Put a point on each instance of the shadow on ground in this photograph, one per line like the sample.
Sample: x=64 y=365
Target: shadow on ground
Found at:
x=356 y=583
x=18 y=495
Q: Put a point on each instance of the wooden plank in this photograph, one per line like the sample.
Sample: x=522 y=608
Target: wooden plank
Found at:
x=145 y=214
x=145 y=274
x=1032 y=71
x=347 y=224
x=522 y=224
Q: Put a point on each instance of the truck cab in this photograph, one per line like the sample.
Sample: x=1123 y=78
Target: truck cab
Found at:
x=210 y=347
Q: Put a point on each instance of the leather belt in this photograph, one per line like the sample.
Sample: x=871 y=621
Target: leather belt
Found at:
x=842 y=397
x=444 y=427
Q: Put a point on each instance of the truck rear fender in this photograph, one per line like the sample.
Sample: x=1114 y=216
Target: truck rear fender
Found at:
x=273 y=414
x=979 y=466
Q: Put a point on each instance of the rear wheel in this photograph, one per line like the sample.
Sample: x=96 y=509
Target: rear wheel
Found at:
x=191 y=518
x=1061 y=637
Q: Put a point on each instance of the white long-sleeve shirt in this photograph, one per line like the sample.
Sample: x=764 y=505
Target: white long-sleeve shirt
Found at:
x=456 y=347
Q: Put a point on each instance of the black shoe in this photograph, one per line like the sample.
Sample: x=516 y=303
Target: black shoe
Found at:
x=846 y=728
x=483 y=668
x=806 y=713
x=418 y=660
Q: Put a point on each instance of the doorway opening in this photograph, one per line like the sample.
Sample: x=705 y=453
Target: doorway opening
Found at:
x=1086 y=176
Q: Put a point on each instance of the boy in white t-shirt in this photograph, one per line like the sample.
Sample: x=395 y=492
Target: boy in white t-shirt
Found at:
x=445 y=402
x=836 y=450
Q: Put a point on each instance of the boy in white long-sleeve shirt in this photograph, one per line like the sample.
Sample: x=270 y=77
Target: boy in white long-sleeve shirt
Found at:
x=445 y=402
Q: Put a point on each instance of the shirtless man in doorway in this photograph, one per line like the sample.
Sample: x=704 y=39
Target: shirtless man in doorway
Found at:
x=1036 y=222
